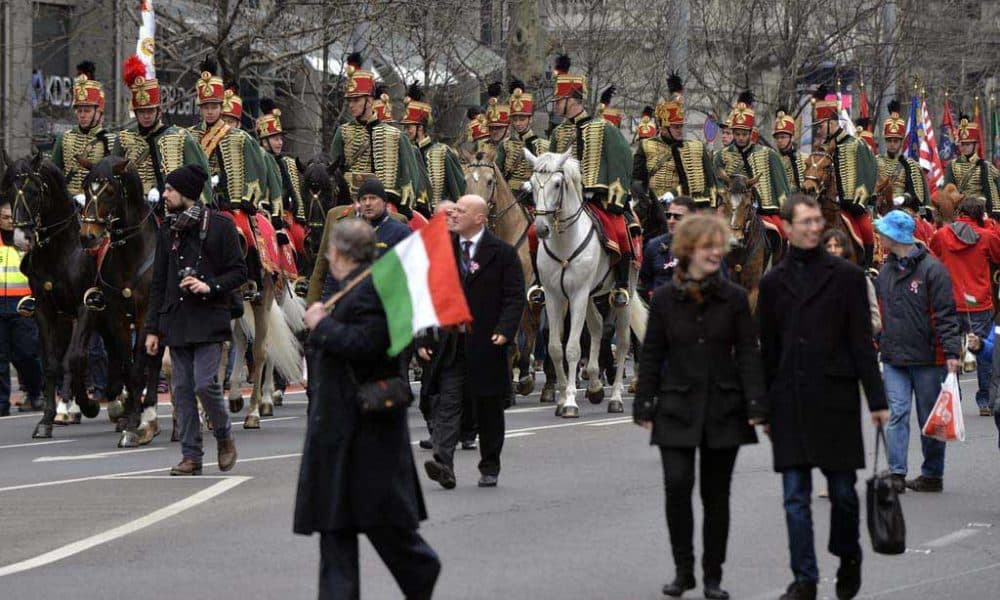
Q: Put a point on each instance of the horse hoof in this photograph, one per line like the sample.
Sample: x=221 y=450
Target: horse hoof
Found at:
x=148 y=431
x=571 y=412
x=526 y=385
x=61 y=419
x=115 y=410
x=559 y=411
x=119 y=425
x=266 y=409
x=278 y=397
x=75 y=418
x=548 y=395
x=632 y=386
x=236 y=404
x=43 y=431
x=129 y=439
x=251 y=422
x=90 y=409
x=616 y=406
x=595 y=396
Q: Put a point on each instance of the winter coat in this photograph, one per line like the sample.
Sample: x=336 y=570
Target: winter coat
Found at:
x=357 y=473
x=700 y=377
x=966 y=249
x=919 y=322
x=816 y=344
x=657 y=264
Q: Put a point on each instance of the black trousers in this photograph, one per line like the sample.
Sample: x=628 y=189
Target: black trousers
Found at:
x=455 y=392
x=413 y=564
x=716 y=472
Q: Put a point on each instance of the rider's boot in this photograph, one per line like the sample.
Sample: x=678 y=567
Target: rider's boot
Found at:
x=251 y=293
x=869 y=256
x=619 y=295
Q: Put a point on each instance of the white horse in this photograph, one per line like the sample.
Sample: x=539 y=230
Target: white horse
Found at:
x=574 y=268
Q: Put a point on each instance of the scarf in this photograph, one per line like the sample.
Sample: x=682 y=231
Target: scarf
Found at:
x=189 y=218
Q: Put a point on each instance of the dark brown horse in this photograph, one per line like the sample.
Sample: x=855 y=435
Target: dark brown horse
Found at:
x=820 y=181
x=323 y=187
x=118 y=228
x=47 y=228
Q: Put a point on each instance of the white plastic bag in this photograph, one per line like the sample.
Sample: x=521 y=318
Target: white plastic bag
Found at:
x=945 y=422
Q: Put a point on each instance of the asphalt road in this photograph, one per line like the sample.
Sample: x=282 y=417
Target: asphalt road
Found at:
x=578 y=515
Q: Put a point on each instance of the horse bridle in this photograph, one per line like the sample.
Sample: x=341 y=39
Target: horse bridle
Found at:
x=820 y=183
x=116 y=236
x=555 y=213
x=34 y=222
x=493 y=216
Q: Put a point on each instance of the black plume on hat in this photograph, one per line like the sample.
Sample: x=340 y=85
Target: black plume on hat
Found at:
x=821 y=92
x=674 y=83
x=893 y=106
x=234 y=86
x=87 y=68
x=781 y=111
x=648 y=111
x=516 y=84
x=607 y=94
x=964 y=116
x=746 y=97
x=863 y=122
x=372 y=186
x=563 y=63
x=495 y=89
x=209 y=65
x=189 y=180
x=473 y=112
x=414 y=92
x=355 y=60
x=266 y=106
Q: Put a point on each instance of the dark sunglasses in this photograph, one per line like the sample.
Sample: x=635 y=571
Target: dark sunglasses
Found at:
x=674 y=216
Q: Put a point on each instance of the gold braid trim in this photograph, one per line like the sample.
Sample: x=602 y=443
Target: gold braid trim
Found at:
x=171 y=149
x=231 y=148
x=385 y=146
x=436 y=171
x=593 y=151
x=761 y=165
x=660 y=158
x=691 y=161
x=970 y=182
x=211 y=138
x=564 y=138
x=886 y=166
x=357 y=147
x=848 y=172
x=135 y=147
x=296 y=178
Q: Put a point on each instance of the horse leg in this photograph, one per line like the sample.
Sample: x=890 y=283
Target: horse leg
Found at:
x=267 y=391
x=595 y=325
x=49 y=332
x=578 y=315
x=260 y=316
x=528 y=333
x=556 y=310
x=168 y=374
x=623 y=337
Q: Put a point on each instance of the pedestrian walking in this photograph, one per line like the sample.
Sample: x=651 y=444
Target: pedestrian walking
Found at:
x=18 y=335
x=700 y=389
x=657 y=261
x=920 y=341
x=816 y=344
x=197 y=266
x=357 y=473
x=475 y=363
x=967 y=248
x=838 y=244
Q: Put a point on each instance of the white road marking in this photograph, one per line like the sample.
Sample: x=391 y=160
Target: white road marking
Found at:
x=531 y=409
x=951 y=538
x=27 y=444
x=607 y=422
x=36 y=414
x=152 y=518
x=517 y=435
x=111 y=453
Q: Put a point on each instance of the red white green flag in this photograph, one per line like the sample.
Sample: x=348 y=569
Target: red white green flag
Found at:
x=419 y=284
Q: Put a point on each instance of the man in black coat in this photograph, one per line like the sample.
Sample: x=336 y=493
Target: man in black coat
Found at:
x=475 y=362
x=197 y=266
x=816 y=343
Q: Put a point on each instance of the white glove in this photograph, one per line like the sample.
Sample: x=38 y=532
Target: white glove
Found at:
x=666 y=198
x=153 y=196
x=526 y=187
x=80 y=199
x=898 y=201
x=215 y=181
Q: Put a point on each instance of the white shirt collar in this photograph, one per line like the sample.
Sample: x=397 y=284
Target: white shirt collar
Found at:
x=474 y=239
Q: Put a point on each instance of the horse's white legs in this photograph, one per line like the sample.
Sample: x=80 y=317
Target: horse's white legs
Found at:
x=622 y=342
x=577 y=317
x=62 y=412
x=595 y=327
x=267 y=391
x=555 y=309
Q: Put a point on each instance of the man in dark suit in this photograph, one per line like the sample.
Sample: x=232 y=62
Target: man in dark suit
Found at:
x=816 y=343
x=475 y=362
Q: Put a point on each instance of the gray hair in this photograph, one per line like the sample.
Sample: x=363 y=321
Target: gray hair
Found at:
x=355 y=239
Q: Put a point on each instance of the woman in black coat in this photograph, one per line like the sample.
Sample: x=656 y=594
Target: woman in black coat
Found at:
x=357 y=473
x=700 y=388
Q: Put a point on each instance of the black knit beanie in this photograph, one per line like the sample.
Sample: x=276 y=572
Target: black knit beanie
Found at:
x=189 y=180
x=372 y=186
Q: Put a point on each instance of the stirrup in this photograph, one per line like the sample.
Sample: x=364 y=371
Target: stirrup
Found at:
x=619 y=297
x=536 y=295
x=26 y=306
x=94 y=300
x=301 y=287
x=250 y=292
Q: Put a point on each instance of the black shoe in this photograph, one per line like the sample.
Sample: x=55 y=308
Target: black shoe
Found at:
x=4 y=411
x=899 y=483
x=427 y=444
x=441 y=474
x=714 y=592
x=681 y=583
x=848 y=578
x=469 y=444
x=925 y=484
x=488 y=481
x=800 y=590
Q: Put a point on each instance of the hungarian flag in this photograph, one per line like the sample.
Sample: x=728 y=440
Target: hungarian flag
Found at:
x=947 y=149
x=911 y=147
x=418 y=283
x=145 y=46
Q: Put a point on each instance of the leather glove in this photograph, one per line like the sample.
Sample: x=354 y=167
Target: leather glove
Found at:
x=277 y=222
x=248 y=207
x=643 y=409
x=282 y=237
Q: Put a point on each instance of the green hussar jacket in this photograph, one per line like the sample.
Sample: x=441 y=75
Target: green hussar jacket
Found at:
x=681 y=168
x=159 y=151
x=274 y=189
x=291 y=179
x=906 y=176
x=421 y=184
x=604 y=155
x=447 y=181
x=795 y=169
x=760 y=162
x=377 y=148
x=854 y=165
x=975 y=177
x=238 y=161
x=510 y=157
x=92 y=146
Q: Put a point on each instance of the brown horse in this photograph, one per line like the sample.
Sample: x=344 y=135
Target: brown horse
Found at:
x=945 y=203
x=820 y=181
x=753 y=248
x=509 y=220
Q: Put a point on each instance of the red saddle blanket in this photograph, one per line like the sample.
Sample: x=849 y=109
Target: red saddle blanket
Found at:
x=614 y=234
x=860 y=227
x=274 y=258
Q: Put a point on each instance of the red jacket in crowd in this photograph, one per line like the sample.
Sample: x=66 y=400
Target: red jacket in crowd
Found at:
x=967 y=250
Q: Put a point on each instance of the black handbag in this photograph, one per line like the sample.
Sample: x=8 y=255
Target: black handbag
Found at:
x=382 y=396
x=885 y=515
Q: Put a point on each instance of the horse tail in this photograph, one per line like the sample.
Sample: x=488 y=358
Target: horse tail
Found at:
x=283 y=350
x=294 y=310
x=638 y=316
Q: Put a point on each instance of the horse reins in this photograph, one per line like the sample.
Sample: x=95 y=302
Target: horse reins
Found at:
x=35 y=220
x=493 y=216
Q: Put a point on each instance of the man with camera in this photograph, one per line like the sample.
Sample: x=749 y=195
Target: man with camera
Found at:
x=197 y=267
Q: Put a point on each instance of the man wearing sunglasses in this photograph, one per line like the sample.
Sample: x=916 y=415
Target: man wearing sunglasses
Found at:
x=657 y=261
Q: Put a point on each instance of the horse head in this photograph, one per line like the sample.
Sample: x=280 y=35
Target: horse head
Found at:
x=819 y=178
x=739 y=206
x=40 y=203
x=113 y=201
x=555 y=184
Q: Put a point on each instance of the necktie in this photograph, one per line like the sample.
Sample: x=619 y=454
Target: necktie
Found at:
x=466 y=255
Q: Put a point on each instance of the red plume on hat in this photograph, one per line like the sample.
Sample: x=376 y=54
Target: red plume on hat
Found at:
x=133 y=69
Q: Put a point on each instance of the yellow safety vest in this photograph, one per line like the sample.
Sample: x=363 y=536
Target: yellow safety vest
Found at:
x=13 y=283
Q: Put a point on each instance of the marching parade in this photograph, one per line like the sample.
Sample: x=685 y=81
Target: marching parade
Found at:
x=164 y=284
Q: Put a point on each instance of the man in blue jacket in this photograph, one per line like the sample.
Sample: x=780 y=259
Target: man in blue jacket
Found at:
x=920 y=340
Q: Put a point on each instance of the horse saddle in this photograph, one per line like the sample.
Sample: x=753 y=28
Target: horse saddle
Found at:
x=602 y=233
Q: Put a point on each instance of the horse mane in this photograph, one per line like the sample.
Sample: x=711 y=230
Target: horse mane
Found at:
x=50 y=174
x=320 y=158
x=549 y=162
x=132 y=182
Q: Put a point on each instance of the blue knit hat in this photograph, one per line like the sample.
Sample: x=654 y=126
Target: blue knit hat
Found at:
x=896 y=225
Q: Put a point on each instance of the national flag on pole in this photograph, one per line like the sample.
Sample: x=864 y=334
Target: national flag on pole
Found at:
x=911 y=145
x=419 y=285
x=977 y=116
x=929 y=159
x=995 y=132
x=145 y=47
x=947 y=149
x=806 y=128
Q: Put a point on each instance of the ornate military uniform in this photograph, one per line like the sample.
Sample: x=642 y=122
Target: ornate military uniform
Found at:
x=755 y=161
x=510 y=158
x=973 y=175
x=905 y=173
x=647 y=125
x=269 y=124
x=445 y=178
x=477 y=134
x=77 y=150
x=681 y=167
x=606 y=111
x=161 y=149
x=791 y=160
